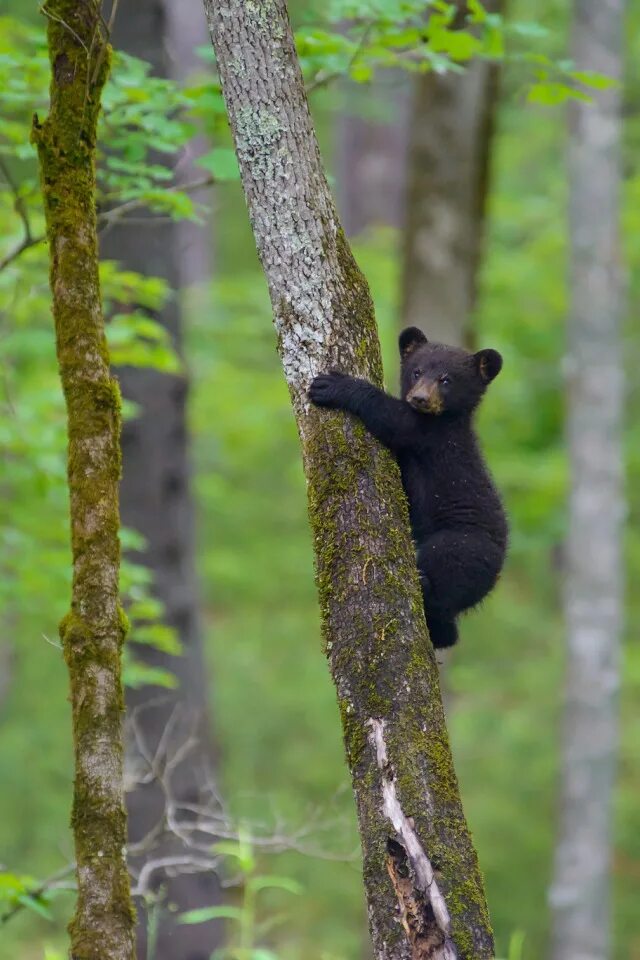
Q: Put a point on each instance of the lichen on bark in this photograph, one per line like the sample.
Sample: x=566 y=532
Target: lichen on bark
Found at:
x=375 y=635
x=93 y=631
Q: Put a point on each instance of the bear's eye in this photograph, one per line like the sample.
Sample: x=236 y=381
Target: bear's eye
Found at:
x=417 y=374
x=444 y=380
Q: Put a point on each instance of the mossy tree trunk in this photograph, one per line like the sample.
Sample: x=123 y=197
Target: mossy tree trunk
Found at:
x=93 y=632
x=423 y=885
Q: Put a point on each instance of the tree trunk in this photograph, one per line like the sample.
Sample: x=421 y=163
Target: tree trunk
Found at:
x=156 y=496
x=449 y=151
x=593 y=597
x=93 y=631
x=371 y=152
x=422 y=879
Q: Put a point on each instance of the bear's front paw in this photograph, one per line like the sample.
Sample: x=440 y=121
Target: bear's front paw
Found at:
x=326 y=390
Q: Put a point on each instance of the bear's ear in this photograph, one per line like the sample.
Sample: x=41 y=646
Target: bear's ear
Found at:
x=489 y=364
x=409 y=340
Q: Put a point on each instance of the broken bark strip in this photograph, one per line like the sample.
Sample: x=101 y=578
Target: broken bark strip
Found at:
x=381 y=661
x=423 y=909
x=93 y=632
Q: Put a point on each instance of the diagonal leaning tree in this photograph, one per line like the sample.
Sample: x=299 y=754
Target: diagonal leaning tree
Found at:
x=420 y=867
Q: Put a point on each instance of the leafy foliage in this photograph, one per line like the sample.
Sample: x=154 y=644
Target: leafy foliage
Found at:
x=355 y=39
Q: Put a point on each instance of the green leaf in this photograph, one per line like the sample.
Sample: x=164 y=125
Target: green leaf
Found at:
x=458 y=44
x=361 y=72
x=240 y=849
x=532 y=31
x=221 y=162
x=136 y=674
x=598 y=81
x=35 y=904
x=137 y=340
x=477 y=13
x=551 y=93
x=203 y=914
x=148 y=608
x=157 y=635
x=131 y=540
x=280 y=883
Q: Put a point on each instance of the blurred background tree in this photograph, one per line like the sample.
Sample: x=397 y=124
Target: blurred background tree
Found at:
x=155 y=495
x=581 y=892
x=272 y=705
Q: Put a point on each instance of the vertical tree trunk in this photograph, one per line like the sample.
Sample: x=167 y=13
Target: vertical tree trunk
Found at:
x=423 y=884
x=371 y=153
x=593 y=597
x=449 y=152
x=156 y=495
x=93 y=632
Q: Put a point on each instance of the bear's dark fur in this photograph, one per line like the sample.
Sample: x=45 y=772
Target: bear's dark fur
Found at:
x=458 y=523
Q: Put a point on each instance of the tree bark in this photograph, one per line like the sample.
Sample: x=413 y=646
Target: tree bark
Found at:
x=451 y=129
x=420 y=867
x=593 y=594
x=93 y=631
x=156 y=497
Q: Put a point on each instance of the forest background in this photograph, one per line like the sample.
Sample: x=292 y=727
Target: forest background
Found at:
x=274 y=721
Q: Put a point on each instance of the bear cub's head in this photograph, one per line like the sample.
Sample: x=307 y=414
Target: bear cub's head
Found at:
x=437 y=379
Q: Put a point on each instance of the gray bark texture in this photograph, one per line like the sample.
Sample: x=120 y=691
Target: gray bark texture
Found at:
x=423 y=885
x=156 y=499
x=593 y=599
x=451 y=128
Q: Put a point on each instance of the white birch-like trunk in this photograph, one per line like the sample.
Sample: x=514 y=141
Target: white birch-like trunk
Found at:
x=580 y=896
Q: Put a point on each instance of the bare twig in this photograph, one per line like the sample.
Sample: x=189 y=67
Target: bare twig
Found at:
x=18 y=250
x=194 y=828
x=52 y=16
x=20 y=207
x=112 y=17
x=106 y=218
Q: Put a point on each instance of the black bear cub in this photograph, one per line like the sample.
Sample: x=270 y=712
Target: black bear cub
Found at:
x=457 y=519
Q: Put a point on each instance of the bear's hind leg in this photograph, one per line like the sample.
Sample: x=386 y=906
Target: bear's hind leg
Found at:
x=443 y=633
x=458 y=568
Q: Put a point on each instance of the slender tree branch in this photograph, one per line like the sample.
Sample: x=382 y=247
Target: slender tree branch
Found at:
x=106 y=218
x=20 y=206
x=197 y=825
